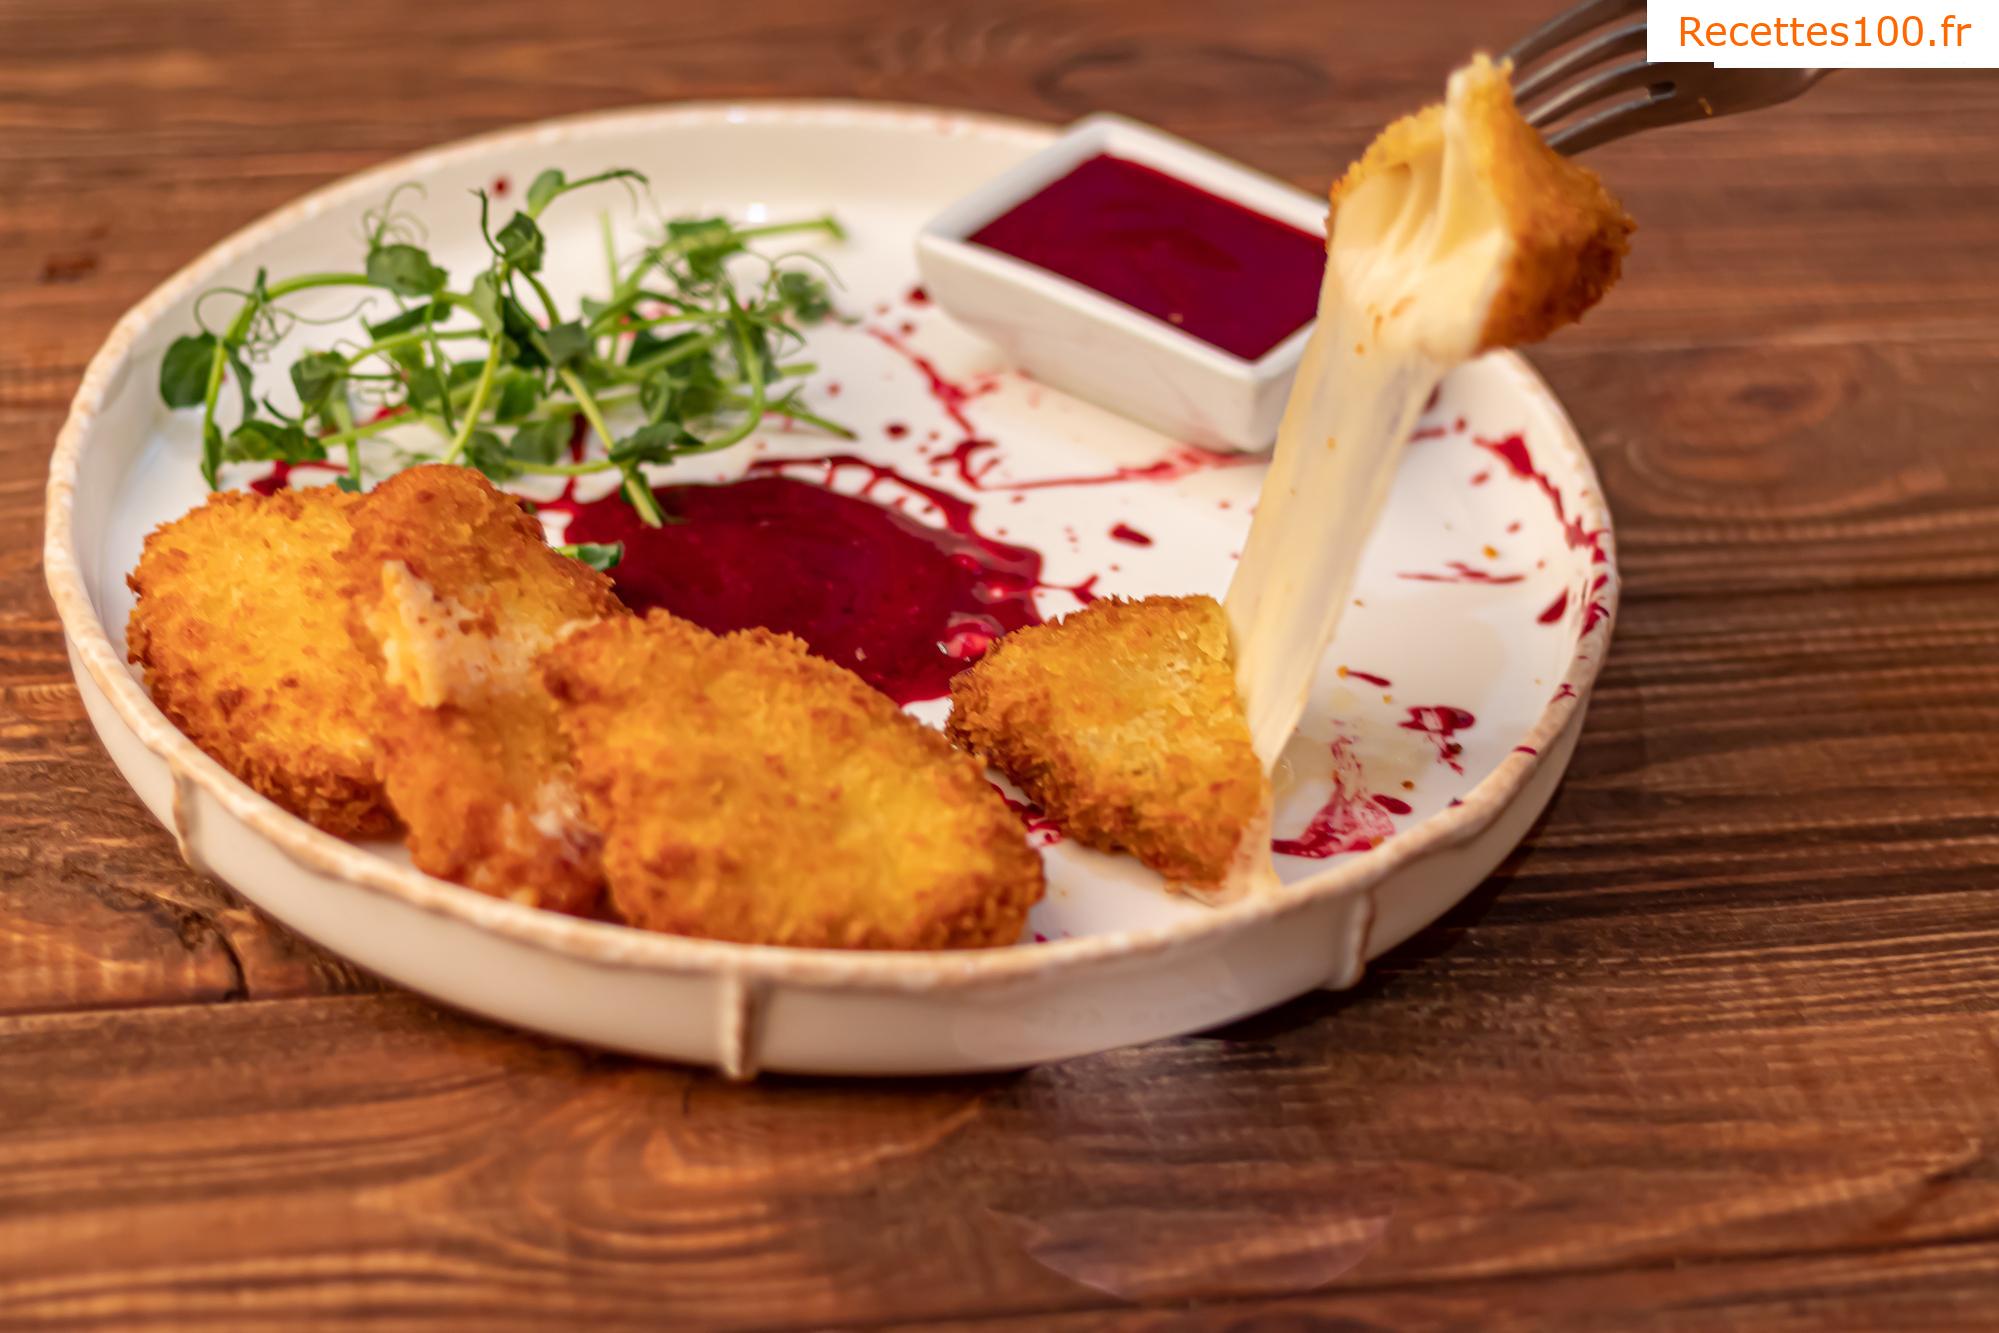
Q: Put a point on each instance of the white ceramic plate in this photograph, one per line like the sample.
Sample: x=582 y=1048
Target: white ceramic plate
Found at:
x=1488 y=589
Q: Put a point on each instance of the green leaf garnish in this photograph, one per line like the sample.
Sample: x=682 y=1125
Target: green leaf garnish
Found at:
x=519 y=394
x=211 y=451
x=485 y=451
x=540 y=441
x=415 y=317
x=599 y=556
x=544 y=189
x=485 y=302
x=566 y=344
x=315 y=376
x=656 y=443
x=683 y=353
x=520 y=243
x=405 y=270
x=262 y=441
x=185 y=368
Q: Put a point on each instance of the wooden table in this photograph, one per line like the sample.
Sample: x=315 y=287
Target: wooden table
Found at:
x=1718 y=1048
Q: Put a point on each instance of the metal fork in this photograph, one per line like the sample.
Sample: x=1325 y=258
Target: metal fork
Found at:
x=1576 y=84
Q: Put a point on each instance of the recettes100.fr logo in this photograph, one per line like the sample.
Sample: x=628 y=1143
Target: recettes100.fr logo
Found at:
x=1820 y=34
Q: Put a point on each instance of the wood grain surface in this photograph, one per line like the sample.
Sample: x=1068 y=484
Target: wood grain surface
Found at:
x=1717 y=1048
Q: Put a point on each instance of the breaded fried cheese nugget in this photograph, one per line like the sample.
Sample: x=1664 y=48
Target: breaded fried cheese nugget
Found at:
x=1459 y=219
x=243 y=637
x=1122 y=722
x=750 y=791
x=456 y=592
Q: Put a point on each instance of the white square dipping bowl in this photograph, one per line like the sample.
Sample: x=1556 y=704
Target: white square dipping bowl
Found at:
x=1076 y=339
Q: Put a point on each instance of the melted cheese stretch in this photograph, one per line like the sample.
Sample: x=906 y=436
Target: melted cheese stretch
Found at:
x=1415 y=259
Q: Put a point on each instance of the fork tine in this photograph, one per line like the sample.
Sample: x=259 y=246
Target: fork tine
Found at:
x=1565 y=27
x=1627 y=117
x=1679 y=93
x=1616 y=42
x=1637 y=74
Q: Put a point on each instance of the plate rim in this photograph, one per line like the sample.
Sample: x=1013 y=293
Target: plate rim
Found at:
x=605 y=944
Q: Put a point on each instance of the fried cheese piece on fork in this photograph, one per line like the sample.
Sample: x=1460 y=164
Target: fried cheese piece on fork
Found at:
x=242 y=634
x=1121 y=721
x=456 y=593
x=750 y=791
x=1459 y=231
x=1149 y=726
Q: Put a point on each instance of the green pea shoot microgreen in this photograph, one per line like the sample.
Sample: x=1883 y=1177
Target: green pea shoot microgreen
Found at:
x=683 y=354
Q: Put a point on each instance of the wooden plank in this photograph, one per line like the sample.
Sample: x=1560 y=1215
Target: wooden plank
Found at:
x=136 y=150
x=1936 y=1288
x=1458 y=1122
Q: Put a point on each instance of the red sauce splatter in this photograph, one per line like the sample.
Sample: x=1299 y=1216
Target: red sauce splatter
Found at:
x=1394 y=805
x=1480 y=478
x=969 y=456
x=1441 y=723
x=1525 y=749
x=1567 y=691
x=950 y=395
x=833 y=389
x=905 y=604
x=1345 y=823
x=279 y=478
x=1379 y=682
x=1513 y=452
x=895 y=430
x=1426 y=433
x=1555 y=609
x=1460 y=572
x=1596 y=610
x=500 y=187
x=1124 y=532
x=1236 y=279
x=1042 y=830
x=1182 y=462
x=1084 y=592
x=917 y=296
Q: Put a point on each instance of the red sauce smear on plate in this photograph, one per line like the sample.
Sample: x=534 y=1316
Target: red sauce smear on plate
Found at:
x=1185 y=461
x=1441 y=723
x=974 y=456
x=1234 y=278
x=279 y=478
x=1347 y=822
x=890 y=579
x=1460 y=572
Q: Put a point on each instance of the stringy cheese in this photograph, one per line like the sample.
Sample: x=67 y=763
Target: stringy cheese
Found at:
x=1457 y=232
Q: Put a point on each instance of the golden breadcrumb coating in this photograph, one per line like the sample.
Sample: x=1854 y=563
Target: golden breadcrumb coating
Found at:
x=753 y=792
x=243 y=637
x=1568 y=235
x=456 y=592
x=1122 y=722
